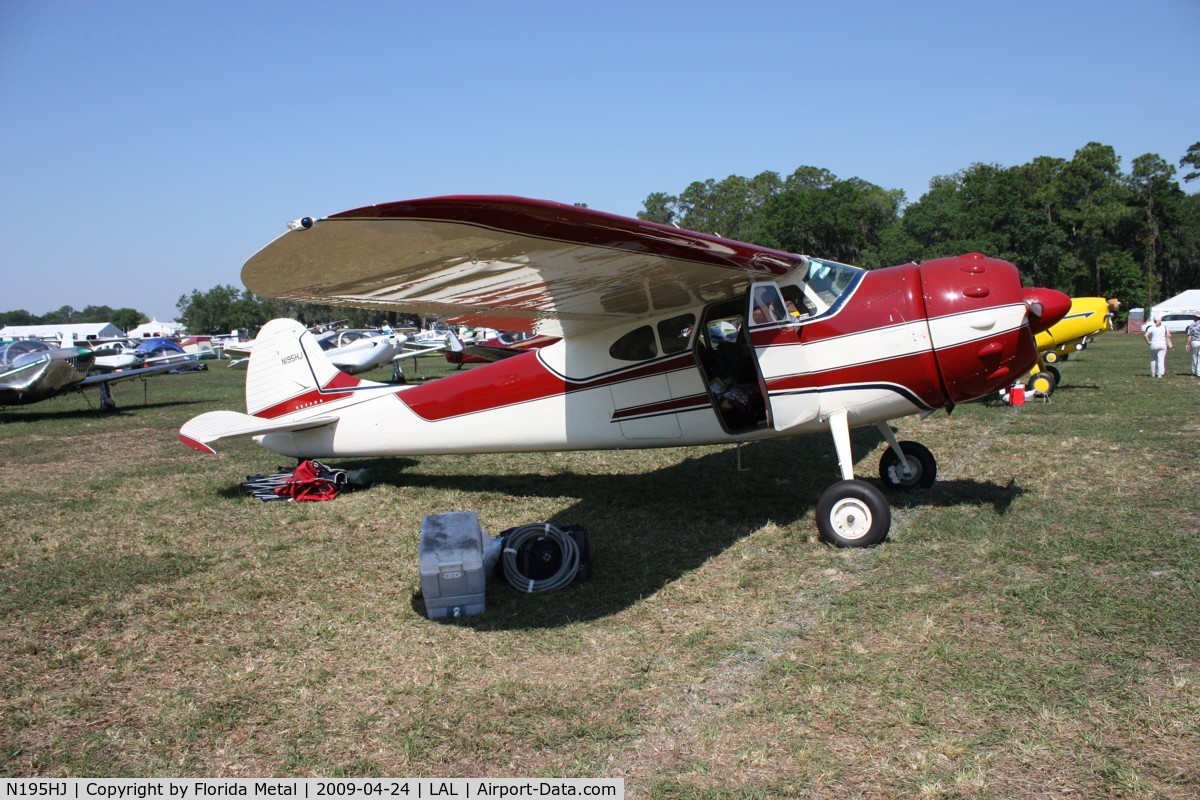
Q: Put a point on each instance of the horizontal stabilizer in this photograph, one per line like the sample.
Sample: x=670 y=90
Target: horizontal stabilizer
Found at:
x=201 y=432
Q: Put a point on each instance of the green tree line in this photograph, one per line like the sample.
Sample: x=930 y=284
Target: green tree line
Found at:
x=123 y=318
x=226 y=308
x=1081 y=225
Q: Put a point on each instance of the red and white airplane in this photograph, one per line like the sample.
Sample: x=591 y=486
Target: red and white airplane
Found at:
x=504 y=344
x=668 y=338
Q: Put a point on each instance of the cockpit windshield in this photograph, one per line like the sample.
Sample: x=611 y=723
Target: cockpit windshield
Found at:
x=11 y=352
x=825 y=284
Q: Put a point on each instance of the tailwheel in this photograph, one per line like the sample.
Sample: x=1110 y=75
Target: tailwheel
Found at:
x=853 y=513
x=1042 y=384
x=917 y=471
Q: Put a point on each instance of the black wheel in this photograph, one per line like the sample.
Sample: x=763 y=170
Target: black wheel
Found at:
x=1057 y=376
x=853 y=513
x=1050 y=356
x=1041 y=384
x=918 y=472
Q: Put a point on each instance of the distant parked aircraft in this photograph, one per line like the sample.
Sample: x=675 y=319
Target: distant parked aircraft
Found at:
x=32 y=370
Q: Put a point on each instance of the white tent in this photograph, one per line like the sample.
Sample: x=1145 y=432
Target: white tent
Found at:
x=154 y=328
x=65 y=333
x=1183 y=303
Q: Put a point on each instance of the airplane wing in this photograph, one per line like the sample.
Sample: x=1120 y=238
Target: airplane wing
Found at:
x=411 y=351
x=201 y=432
x=505 y=262
x=140 y=372
x=491 y=353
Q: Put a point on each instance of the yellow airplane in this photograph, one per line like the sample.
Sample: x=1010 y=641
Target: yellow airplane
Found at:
x=1088 y=318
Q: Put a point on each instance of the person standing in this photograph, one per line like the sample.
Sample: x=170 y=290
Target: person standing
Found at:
x=1192 y=345
x=1159 y=339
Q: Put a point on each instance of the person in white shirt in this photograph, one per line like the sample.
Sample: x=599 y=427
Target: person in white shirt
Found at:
x=1159 y=339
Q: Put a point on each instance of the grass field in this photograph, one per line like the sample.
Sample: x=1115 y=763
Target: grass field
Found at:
x=1029 y=630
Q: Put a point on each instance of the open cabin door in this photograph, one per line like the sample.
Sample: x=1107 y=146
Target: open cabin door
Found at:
x=774 y=328
x=729 y=368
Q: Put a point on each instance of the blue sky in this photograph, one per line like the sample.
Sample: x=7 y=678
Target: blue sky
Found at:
x=150 y=147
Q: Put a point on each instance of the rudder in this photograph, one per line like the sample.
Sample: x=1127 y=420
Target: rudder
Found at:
x=286 y=364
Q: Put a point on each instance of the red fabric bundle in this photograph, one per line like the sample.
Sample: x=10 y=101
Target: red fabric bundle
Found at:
x=309 y=482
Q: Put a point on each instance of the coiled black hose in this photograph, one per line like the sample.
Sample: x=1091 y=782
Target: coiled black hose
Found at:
x=566 y=570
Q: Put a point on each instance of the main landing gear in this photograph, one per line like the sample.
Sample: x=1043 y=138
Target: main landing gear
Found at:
x=853 y=513
x=107 y=403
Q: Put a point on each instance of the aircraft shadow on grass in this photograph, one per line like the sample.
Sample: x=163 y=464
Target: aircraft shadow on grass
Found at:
x=686 y=514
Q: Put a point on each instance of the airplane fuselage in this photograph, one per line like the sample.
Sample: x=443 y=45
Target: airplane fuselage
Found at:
x=42 y=373
x=893 y=342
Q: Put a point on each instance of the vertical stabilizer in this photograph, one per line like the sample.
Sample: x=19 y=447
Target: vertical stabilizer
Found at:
x=289 y=372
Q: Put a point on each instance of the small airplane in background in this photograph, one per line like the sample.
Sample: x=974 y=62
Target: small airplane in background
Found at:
x=136 y=354
x=667 y=338
x=503 y=345
x=32 y=370
x=356 y=350
x=115 y=355
x=353 y=350
x=1087 y=318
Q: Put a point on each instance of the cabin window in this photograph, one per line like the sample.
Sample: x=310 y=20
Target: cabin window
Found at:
x=676 y=332
x=637 y=345
x=766 y=305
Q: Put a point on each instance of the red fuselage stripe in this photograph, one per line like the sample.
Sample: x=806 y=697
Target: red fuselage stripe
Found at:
x=520 y=379
x=313 y=397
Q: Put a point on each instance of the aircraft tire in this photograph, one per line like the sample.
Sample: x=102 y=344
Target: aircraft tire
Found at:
x=1057 y=375
x=1049 y=356
x=1043 y=383
x=923 y=465
x=853 y=513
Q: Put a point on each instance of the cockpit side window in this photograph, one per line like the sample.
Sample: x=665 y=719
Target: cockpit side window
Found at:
x=676 y=332
x=637 y=345
x=798 y=304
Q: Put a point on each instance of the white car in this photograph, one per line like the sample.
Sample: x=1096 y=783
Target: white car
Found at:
x=1178 y=323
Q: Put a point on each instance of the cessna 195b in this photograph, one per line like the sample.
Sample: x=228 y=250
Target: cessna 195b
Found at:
x=668 y=338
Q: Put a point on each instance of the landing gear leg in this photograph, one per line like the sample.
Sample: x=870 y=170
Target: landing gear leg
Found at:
x=397 y=373
x=851 y=513
x=106 y=399
x=905 y=465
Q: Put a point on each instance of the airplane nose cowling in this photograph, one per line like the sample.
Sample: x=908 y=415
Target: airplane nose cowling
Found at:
x=1045 y=307
x=977 y=313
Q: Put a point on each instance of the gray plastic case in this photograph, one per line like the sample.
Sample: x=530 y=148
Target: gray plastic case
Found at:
x=453 y=582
